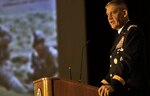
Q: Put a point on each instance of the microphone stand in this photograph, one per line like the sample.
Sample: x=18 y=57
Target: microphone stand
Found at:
x=82 y=51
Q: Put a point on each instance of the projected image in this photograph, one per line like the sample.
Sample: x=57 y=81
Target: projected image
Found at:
x=28 y=44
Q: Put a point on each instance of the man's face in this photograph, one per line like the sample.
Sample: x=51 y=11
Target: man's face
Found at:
x=40 y=48
x=115 y=16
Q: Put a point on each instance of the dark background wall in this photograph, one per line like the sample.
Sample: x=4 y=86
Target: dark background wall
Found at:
x=101 y=38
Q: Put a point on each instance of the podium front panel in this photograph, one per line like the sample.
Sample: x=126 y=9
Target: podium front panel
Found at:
x=62 y=87
x=73 y=88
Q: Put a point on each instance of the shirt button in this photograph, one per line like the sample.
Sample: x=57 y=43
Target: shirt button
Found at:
x=110 y=75
x=110 y=56
x=110 y=65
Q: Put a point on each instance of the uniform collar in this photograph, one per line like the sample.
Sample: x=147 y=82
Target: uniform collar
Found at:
x=119 y=31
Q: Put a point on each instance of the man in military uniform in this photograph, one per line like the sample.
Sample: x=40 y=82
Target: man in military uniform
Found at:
x=126 y=76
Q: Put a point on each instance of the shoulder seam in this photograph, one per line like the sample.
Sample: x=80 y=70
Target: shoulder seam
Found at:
x=131 y=27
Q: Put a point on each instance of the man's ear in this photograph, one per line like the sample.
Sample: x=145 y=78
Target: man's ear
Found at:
x=125 y=13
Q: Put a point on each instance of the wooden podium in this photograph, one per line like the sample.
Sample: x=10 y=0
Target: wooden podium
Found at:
x=60 y=87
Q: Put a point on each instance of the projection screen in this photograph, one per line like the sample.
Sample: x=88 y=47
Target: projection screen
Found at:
x=28 y=44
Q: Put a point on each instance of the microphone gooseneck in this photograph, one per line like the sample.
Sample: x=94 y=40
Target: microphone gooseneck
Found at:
x=81 y=64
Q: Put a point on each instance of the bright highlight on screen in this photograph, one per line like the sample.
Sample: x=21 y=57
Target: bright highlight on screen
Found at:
x=28 y=44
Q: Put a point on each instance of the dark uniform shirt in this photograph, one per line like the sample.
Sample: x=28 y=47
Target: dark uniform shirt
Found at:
x=43 y=65
x=127 y=62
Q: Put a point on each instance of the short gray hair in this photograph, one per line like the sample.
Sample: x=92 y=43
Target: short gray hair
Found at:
x=120 y=3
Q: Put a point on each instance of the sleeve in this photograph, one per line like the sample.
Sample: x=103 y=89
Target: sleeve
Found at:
x=104 y=81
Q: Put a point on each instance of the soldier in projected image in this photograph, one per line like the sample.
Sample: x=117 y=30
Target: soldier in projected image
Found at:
x=44 y=59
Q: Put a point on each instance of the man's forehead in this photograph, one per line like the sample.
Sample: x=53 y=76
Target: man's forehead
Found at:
x=112 y=8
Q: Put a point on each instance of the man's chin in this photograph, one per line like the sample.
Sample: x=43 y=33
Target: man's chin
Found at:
x=113 y=27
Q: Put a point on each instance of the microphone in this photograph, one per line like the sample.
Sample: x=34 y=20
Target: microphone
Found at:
x=70 y=73
x=82 y=51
